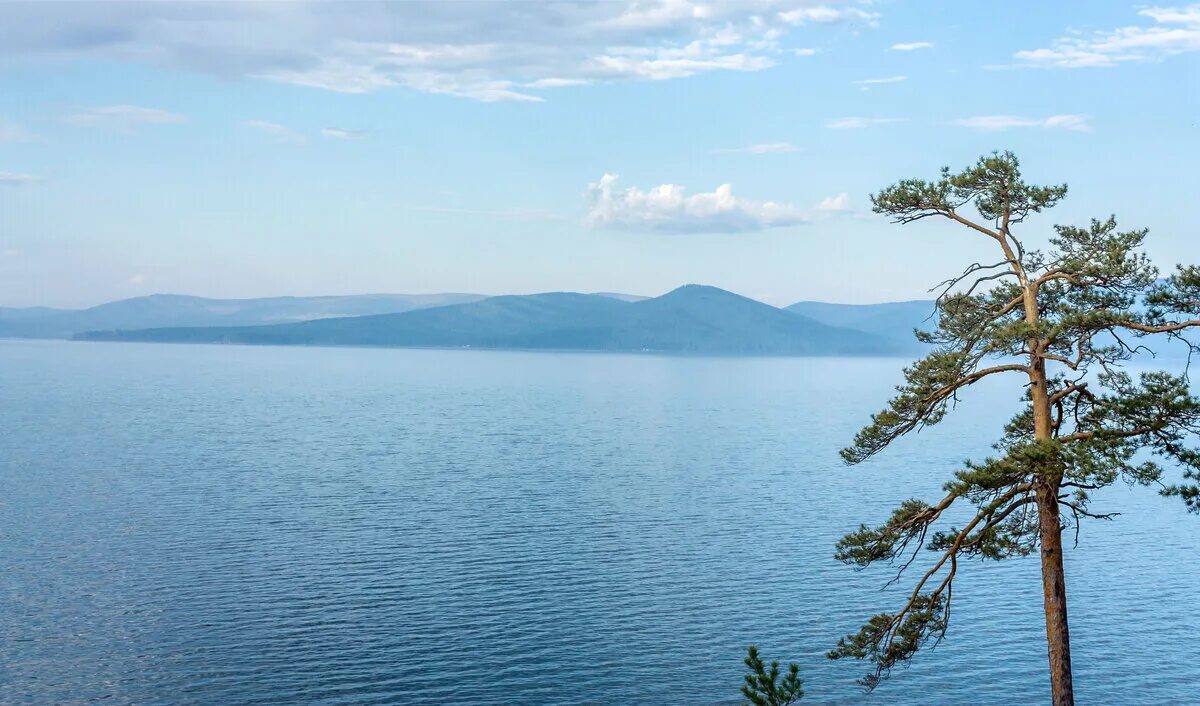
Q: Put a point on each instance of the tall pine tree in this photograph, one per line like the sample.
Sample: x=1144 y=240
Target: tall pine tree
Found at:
x=1061 y=324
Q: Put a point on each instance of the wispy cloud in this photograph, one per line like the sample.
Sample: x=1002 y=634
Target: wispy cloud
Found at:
x=858 y=123
x=343 y=134
x=1175 y=30
x=496 y=51
x=11 y=132
x=669 y=209
x=124 y=118
x=876 y=81
x=278 y=133
x=912 y=46
x=765 y=148
x=137 y=280
x=1078 y=123
x=16 y=179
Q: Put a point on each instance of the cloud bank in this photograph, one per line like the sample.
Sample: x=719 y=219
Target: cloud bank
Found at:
x=1175 y=30
x=488 y=51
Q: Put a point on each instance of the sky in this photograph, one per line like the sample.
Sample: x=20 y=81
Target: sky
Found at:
x=242 y=150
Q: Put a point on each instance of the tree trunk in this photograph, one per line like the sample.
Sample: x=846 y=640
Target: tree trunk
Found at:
x=1054 y=590
x=1054 y=583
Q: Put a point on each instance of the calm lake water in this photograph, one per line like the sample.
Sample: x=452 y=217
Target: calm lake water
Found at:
x=234 y=525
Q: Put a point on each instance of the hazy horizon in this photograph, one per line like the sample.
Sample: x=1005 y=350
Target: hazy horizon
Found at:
x=599 y=351
x=482 y=294
x=242 y=150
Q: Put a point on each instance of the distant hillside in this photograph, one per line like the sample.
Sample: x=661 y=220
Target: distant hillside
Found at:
x=892 y=320
x=33 y=312
x=622 y=297
x=700 y=319
x=170 y=310
x=691 y=319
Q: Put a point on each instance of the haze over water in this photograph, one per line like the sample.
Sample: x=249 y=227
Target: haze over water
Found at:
x=208 y=524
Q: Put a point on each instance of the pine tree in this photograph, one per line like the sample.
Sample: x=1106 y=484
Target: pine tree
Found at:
x=763 y=687
x=1062 y=324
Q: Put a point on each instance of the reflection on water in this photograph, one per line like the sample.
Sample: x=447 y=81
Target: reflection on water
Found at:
x=230 y=525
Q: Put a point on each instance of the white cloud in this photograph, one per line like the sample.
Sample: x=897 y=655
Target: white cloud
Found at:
x=857 y=123
x=669 y=63
x=875 y=81
x=123 y=117
x=1068 y=122
x=277 y=132
x=765 y=148
x=16 y=179
x=343 y=134
x=555 y=82
x=669 y=209
x=488 y=51
x=841 y=202
x=826 y=14
x=138 y=280
x=806 y=51
x=1176 y=30
x=1078 y=123
x=9 y=252
x=912 y=46
x=657 y=15
x=1178 y=15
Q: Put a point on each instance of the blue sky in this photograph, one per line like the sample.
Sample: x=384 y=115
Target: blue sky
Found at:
x=255 y=150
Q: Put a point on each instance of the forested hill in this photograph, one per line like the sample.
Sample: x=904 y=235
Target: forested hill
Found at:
x=691 y=319
x=171 y=310
x=892 y=320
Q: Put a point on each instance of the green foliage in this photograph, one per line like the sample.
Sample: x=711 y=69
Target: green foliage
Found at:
x=924 y=620
x=884 y=543
x=918 y=403
x=993 y=185
x=763 y=686
x=1065 y=321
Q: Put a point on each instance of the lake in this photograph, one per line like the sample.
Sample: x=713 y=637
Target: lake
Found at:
x=245 y=525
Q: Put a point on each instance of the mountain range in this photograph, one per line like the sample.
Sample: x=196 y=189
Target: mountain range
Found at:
x=170 y=310
x=691 y=319
x=894 y=320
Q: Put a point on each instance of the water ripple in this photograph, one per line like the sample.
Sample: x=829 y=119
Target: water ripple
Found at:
x=226 y=525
